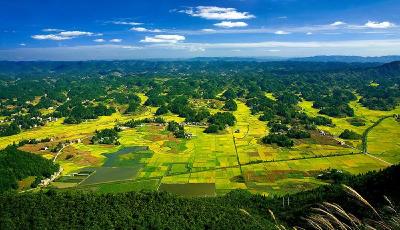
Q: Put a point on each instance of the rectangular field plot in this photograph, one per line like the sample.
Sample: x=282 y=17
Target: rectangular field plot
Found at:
x=370 y=116
x=384 y=140
x=110 y=174
x=124 y=186
x=296 y=175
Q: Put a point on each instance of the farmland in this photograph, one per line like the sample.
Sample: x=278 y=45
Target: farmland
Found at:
x=151 y=158
x=203 y=136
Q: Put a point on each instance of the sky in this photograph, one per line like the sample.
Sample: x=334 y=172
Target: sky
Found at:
x=118 y=29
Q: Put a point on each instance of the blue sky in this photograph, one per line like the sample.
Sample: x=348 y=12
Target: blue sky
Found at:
x=87 y=30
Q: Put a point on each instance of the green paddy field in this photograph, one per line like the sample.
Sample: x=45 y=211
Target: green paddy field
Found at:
x=151 y=158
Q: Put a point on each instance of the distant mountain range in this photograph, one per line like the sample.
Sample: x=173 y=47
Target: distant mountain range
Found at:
x=348 y=59
x=334 y=58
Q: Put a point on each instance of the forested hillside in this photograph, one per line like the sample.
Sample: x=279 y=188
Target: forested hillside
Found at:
x=16 y=165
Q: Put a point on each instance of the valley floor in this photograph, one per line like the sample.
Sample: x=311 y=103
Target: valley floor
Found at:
x=151 y=158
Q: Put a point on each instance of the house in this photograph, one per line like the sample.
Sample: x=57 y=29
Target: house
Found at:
x=44 y=148
x=188 y=135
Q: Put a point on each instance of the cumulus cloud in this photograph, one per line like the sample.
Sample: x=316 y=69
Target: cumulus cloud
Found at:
x=309 y=33
x=63 y=35
x=379 y=25
x=22 y=44
x=142 y=29
x=116 y=40
x=208 y=30
x=126 y=23
x=217 y=13
x=50 y=37
x=281 y=32
x=338 y=23
x=99 y=40
x=163 y=39
x=229 y=24
x=75 y=33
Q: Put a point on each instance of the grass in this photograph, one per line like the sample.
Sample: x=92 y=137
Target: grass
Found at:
x=277 y=178
x=383 y=140
x=25 y=183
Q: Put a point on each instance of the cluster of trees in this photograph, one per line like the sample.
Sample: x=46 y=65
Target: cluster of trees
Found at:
x=135 y=123
x=9 y=129
x=134 y=103
x=33 y=141
x=279 y=139
x=350 y=135
x=177 y=129
x=106 y=136
x=355 y=121
x=22 y=122
x=230 y=105
x=76 y=114
x=298 y=134
x=336 y=104
x=16 y=165
x=220 y=121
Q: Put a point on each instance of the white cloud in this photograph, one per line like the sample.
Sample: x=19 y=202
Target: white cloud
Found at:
x=116 y=40
x=281 y=32
x=229 y=24
x=126 y=23
x=163 y=39
x=338 y=23
x=142 y=29
x=309 y=33
x=273 y=50
x=99 y=40
x=303 y=44
x=217 y=13
x=208 y=30
x=64 y=35
x=235 y=50
x=379 y=25
x=22 y=44
x=50 y=37
x=52 y=30
x=75 y=33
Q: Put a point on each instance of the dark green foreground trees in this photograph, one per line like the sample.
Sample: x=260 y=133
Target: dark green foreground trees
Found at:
x=16 y=165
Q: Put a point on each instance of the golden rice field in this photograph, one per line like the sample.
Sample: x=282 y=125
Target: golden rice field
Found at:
x=234 y=159
x=384 y=141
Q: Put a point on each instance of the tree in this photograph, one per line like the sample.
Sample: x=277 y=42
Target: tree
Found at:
x=279 y=139
x=350 y=135
x=133 y=106
x=229 y=94
x=230 y=105
x=212 y=129
x=162 y=110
